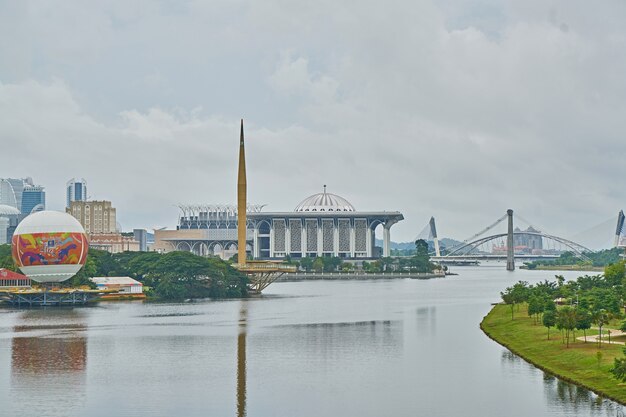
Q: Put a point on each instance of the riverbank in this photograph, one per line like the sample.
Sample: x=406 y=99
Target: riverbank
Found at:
x=582 y=268
x=577 y=364
x=304 y=276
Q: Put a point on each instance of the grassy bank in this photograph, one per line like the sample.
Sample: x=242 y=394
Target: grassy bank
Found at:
x=582 y=268
x=578 y=364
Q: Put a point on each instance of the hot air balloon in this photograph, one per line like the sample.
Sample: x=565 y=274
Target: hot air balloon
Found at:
x=50 y=246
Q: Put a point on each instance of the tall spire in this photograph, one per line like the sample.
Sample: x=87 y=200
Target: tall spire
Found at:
x=242 y=203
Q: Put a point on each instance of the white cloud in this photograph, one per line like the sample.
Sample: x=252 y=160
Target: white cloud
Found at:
x=452 y=109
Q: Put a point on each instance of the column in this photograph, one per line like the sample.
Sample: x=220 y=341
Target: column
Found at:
x=352 y=240
x=287 y=237
x=368 y=240
x=510 y=248
x=320 y=238
x=335 y=238
x=255 y=243
x=386 y=239
x=272 y=238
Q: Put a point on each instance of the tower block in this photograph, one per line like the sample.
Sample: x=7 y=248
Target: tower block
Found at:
x=260 y=273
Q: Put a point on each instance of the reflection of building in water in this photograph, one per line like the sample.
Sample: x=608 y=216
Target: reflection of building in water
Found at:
x=48 y=352
x=319 y=340
x=43 y=355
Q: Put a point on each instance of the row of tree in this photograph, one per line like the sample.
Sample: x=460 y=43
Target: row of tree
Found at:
x=583 y=302
x=171 y=276
x=598 y=259
x=419 y=262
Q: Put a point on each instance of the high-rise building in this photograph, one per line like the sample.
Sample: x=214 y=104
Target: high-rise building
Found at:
x=22 y=194
x=76 y=190
x=9 y=217
x=11 y=191
x=141 y=236
x=96 y=216
x=33 y=199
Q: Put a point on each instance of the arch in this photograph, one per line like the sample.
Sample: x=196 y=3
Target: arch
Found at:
x=181 y=246
x=578 y=249
x=264 y=227
x=217 y=248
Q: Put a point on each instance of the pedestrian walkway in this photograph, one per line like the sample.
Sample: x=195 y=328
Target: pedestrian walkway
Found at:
x=605 y=337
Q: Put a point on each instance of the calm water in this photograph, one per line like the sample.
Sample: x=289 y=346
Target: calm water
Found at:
x=322 y=348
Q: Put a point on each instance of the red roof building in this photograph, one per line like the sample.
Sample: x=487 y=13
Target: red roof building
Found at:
x=9 y=278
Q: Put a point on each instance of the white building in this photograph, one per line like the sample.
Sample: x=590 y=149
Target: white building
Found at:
x=323 y=224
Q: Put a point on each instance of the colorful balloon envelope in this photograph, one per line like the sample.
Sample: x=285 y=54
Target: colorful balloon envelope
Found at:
x=50 y=246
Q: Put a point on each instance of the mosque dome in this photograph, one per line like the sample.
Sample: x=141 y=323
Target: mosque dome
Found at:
x=6 y=210
x=324 y=202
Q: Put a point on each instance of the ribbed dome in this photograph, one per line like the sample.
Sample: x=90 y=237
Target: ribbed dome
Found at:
x=8 y=210
x=325 y=202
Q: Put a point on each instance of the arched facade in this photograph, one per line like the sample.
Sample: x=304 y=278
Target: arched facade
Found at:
x=321 y=225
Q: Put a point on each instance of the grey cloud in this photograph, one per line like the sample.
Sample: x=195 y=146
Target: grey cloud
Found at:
x=450 y=109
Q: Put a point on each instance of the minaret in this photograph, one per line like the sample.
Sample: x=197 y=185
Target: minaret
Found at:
x=242 y=203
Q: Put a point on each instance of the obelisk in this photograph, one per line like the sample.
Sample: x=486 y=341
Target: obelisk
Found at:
x=242 y=203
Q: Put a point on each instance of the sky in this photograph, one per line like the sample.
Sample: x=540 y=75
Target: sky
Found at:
x=456 y=109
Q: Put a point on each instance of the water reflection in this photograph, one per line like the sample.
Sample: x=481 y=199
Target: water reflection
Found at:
x=323 y=341
x=426 y=318
x=559 y=394
x=48 y=352
x=241 y=360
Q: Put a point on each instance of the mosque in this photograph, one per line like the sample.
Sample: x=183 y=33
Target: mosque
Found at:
x=323 y=224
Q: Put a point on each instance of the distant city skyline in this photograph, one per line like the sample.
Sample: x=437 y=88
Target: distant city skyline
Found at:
x=453 y=109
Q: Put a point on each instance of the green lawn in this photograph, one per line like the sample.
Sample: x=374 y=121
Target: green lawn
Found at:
x=578 y=363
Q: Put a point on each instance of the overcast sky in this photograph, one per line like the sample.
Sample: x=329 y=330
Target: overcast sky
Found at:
x=455 y=108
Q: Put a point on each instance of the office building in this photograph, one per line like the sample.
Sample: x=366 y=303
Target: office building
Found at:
x=97 y=217
x=33 y=199
x=76 y=190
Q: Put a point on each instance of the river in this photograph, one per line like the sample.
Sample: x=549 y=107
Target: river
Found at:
x=397 y=347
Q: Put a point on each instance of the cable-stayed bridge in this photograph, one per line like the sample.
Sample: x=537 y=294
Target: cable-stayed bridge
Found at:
x=529 y=244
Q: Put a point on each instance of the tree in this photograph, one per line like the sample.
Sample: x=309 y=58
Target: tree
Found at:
x=318 y=265
x=516 y=294
x=566 y=320
x=583 y=321
x=600 y=317
x=421 y=261
x=535 y=307
x=306 y=263
x=549 y=320
x=614 y=273
x=619 y=368
x=421 y=248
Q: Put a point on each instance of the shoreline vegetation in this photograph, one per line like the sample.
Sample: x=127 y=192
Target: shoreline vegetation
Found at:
x=568 y=261
x=177 y=276
x=580 y=268
x=590 y=307
x=581 y=363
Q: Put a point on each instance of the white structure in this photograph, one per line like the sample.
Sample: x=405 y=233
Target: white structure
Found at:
x=8 y=221
x=76 y=191
x=323 y=224
x=124 y=285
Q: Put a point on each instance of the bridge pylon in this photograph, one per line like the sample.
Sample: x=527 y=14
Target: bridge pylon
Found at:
x=510 y=245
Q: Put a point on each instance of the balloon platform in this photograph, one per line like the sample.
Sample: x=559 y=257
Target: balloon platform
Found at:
x=42 y=297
